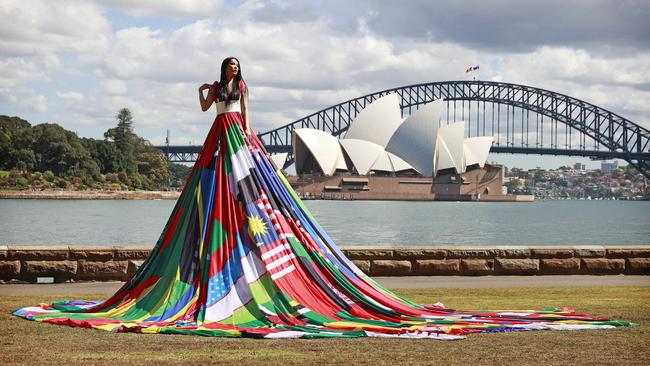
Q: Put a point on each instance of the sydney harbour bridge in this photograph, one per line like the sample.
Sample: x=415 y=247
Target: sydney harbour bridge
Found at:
x=522 y=119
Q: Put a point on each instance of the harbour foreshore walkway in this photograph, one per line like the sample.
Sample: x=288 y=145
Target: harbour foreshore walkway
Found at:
x=411 y=282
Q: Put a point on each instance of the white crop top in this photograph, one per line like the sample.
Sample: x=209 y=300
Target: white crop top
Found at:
x=234 y=106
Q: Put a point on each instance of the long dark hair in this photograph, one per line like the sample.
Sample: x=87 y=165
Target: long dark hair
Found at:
x=222 y=89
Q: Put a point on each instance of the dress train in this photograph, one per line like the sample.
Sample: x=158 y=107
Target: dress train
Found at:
x=241 y=256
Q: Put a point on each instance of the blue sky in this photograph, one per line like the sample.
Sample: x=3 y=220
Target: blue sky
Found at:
x=76 y=62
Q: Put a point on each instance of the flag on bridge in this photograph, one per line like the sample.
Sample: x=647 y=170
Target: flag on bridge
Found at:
x=471 y=68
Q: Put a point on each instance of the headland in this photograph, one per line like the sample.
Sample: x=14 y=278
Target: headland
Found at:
x=89 y=195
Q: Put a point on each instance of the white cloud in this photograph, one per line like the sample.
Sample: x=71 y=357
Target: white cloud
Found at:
x=73 y=97
x=173 y=8
x=114 y=86
x=293 y=67
x=616 y=84
x=36 y=102
x=17 y=71
x=7 y=96
x=41 y=27
x=568 y=64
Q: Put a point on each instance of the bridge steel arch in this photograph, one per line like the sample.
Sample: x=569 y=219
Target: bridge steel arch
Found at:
x=572 y=127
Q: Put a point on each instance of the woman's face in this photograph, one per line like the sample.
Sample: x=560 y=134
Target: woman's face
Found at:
x=232 y=68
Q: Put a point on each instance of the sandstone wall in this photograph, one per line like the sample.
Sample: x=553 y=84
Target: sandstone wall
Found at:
x=118 y=263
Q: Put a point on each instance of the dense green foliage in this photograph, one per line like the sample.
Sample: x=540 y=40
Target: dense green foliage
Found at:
x=49 y=156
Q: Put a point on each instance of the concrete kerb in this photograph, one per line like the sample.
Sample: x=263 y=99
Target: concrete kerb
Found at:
x=413 y=282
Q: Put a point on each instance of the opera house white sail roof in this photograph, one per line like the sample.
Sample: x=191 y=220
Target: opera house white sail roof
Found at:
x=379 y=140
x=477 y=150
x=324 y=148
x=414 y=138
x=363 y=154
x=279 y=159
x=377 y=122
x=399 y=165
x=391 y=163
x=367 y=156
x=449 y=148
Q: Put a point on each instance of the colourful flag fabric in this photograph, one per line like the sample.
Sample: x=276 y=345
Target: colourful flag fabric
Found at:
x=241 y=256
x=472 y=68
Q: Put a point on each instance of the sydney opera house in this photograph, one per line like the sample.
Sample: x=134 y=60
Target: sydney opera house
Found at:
x=385 y=156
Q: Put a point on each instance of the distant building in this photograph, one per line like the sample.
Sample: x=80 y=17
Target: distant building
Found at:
x=579 y=166
x=608 y=167
x=380 y=142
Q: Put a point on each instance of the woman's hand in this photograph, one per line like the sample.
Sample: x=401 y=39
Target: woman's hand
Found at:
x=206 y=102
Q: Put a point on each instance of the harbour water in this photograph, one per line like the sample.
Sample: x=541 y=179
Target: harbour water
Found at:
x=109 y=223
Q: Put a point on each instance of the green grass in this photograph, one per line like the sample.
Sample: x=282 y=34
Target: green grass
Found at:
x=26 y=342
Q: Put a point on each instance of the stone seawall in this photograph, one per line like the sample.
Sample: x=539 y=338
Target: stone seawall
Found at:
x=90 y=195
x=27 y=263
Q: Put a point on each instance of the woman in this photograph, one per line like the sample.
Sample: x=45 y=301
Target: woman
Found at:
x=230 y=89
x=241 y=256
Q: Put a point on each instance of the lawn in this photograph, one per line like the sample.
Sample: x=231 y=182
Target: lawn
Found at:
x=26 y=342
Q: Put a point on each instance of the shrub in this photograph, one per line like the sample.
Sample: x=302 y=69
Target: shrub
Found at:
x=87 y=181
x=61 y=182
x=112 y=178
x=114 y=186
x=46 y=185
x=22 y=182
x=124 y=179
x=48 y=175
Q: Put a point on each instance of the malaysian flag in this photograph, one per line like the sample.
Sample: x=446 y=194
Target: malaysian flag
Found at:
x=274 y=249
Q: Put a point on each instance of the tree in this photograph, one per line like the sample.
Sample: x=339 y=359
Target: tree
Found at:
x=145 y=167
x=125 y=120
x=514 y=185
x=24 y=159
x=59 y=150
x=178 y=173
x=152 y=165
x=123 y=156
x=15 y=134
x=123 y=134
x=22 y=138
x=124 y=139
x=6 y=150
x=105 y=154
x=13 y=123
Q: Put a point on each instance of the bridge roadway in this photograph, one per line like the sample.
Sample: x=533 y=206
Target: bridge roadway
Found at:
x=188 y=153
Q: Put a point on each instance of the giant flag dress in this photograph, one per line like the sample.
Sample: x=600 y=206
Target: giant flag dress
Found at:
x=241 y=256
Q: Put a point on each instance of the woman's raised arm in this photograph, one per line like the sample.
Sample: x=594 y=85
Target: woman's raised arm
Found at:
x=206 y=102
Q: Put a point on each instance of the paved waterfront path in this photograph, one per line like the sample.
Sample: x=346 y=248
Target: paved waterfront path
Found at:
x=510 y=281
x=80 y=288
